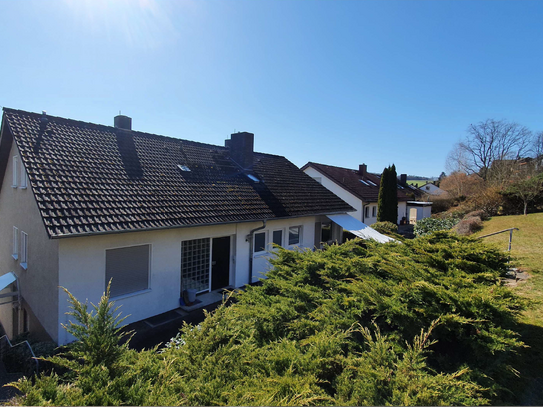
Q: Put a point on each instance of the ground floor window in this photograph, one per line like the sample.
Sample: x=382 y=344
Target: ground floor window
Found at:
x=260 y=242
x=128 y=269
x=294 y=235
x=195 y=264
x=278 y=237
x=326 y=232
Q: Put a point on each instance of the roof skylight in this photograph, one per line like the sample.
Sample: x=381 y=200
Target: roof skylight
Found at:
x=252 y=178
x=183 y=167
x=372 y=183
x=364 y=182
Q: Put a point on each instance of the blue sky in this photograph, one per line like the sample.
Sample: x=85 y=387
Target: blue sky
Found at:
x=335 y=82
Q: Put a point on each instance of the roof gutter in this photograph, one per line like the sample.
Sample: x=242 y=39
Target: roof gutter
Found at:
x=111 y=232
x=249 y=238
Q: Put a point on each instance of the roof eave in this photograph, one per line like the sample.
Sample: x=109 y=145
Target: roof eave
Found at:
x=111 y=232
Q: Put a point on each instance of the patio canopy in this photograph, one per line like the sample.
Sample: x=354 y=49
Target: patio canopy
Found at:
x=358 y=228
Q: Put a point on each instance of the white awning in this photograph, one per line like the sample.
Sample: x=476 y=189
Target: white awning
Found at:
x=358 y=228
x=6 y=280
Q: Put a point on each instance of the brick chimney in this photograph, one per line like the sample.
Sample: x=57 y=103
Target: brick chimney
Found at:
x=122 y=122
x=403 y=179
x=241 y=148
x=362 y=169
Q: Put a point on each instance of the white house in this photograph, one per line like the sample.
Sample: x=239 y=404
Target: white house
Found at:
x=358 y=188
x=82 y=203
x=432 y=189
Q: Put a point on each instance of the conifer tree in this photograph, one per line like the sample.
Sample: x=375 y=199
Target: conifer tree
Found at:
x=387 y=204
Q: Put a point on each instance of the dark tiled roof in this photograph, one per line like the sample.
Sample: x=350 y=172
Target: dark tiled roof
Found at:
x=90 y=178
x=417 y=193
x=351 y=180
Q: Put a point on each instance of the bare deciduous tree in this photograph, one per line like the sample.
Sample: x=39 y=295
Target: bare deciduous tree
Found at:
x=493 y=140
x=457 y=160
x=459 y=184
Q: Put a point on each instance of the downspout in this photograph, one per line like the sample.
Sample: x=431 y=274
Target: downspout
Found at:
x=249 y=238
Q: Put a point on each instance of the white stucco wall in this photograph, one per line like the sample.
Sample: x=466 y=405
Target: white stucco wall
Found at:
x=352 y=200
x=348 y=197
x=38 y=283
x=421 y=212
x=82 y=264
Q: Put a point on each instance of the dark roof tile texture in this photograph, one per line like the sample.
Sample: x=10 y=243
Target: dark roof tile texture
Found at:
x=90 y=178
x=351 y=180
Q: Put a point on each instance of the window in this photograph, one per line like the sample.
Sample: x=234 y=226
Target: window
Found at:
x=374 y=211
x=195 y=264
x=326 y=232
x=278 y=237
x=23 y=175
x=24 y=250
x=128 y=269
x=260 y=242
x=367 y=212
x=294 y=235
x=15 y=253
x=15 y=169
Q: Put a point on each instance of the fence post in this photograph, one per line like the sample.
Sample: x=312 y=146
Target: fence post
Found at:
x=510 y=239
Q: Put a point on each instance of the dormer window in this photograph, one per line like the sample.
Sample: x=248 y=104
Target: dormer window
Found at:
x=183 y=167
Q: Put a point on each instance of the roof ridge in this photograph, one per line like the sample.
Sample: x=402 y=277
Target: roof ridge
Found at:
x=112 y=128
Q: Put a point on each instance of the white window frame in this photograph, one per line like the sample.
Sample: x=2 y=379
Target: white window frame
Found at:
x=266 y=241
x=366 y=211
x=331 y=232
x=282 y=236
x=300 y=229
x=15 y=253
x=24 y=250
x=15 y=169
x=23 y=182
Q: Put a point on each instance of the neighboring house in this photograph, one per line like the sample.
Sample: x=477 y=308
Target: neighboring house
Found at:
x=431 y=189
x=358 y=188
x=410 y=190
x=82 y=203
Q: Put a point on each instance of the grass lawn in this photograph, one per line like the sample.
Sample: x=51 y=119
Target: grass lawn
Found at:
x=418 y=182
x=527 y=251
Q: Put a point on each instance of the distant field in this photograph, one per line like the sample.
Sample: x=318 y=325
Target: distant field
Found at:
x=418 y=182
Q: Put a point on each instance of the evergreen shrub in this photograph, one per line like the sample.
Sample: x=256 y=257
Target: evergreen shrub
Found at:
x=385 y=227
x=426 y=322
x=427 y=226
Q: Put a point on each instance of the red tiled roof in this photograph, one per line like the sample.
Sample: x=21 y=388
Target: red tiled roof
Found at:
x=351 y=180
x=90 y=178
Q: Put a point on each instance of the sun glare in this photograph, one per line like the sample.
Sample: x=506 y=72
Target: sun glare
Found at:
x=142 y=23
